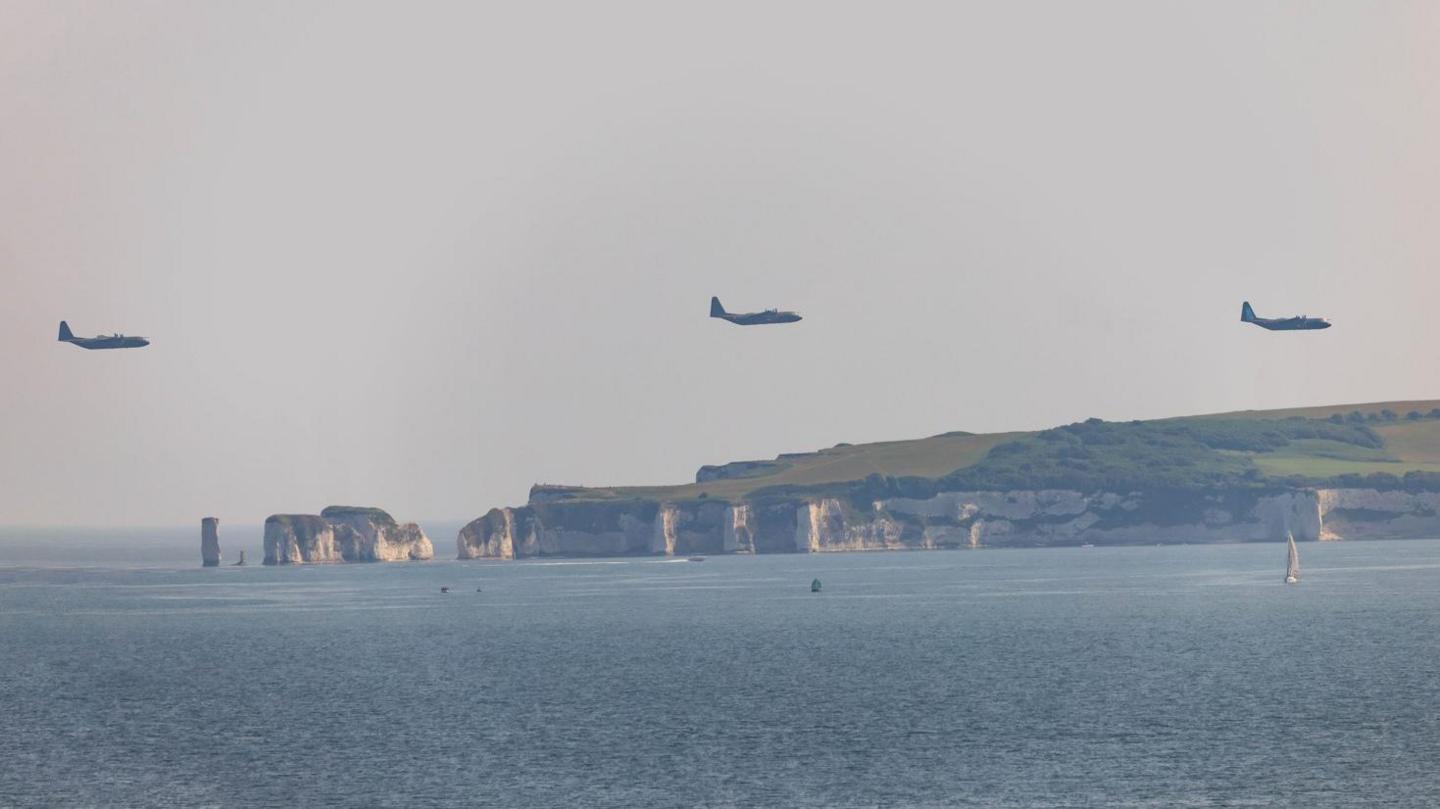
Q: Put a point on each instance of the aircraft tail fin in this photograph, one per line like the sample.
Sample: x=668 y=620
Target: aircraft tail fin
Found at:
x=716 y=310
x=1247 y=315
x=65 y=334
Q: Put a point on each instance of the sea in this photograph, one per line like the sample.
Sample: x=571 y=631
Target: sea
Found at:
x=1164 y=676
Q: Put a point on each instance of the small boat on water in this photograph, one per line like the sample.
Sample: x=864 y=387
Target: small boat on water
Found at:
x=1088 y=545
x=444 y=589
x=815 y=585
x=1292 y=563
x=696 y=559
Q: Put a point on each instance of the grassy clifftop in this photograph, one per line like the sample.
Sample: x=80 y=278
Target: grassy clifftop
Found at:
x=1383 y=442
x=375 y=515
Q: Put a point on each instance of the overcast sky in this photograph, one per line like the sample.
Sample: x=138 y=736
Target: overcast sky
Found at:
x=422 y=255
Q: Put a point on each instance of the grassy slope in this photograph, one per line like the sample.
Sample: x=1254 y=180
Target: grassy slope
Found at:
x=1409 y=445
x=922 y=457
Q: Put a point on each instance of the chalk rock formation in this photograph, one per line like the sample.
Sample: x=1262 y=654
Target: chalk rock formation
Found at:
x=560 y=528
x=735 y=534
x=1059 y=517
x=503 y=533
x=292 y=539
x=1374 y=514
x=371 y=535
x=210 y=542
x=823 y=526
x=568 y=528
x=343 y=534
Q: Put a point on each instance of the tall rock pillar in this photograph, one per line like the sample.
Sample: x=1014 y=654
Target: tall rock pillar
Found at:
x=210 y=541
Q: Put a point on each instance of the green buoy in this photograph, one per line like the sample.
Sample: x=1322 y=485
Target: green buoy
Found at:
x=815 y=586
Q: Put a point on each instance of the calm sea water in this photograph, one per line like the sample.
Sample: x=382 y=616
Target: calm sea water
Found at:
x=1168 y=676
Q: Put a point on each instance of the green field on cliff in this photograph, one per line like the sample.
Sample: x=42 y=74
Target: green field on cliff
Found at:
x=1382 y=441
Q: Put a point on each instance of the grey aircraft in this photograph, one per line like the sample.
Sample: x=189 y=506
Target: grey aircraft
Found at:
x=102 y=341
x=1301 y=323
x=751 y=318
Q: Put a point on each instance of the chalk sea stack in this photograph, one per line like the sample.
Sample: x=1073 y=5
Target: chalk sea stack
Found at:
x=210 y=542
x=343 y=534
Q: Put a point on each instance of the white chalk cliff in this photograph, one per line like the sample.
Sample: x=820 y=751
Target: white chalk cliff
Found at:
x=961 y=519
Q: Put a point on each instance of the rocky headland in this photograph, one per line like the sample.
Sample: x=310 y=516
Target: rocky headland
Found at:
x=343 y=534
x=1236 y=478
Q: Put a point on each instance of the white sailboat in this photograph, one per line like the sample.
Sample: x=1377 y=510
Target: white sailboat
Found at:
x=1292 y=565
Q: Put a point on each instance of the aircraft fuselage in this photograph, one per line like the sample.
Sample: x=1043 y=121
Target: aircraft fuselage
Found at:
x=1291 y=323
x=759 y=318
x=113 y=341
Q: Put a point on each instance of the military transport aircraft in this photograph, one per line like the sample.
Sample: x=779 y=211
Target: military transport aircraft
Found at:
x=103 y=341
x=1247 y=315
x=751 y=318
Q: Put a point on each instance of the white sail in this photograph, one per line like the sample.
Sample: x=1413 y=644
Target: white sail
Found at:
x=1292 y=566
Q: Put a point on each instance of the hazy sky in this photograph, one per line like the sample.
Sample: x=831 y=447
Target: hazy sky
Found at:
x=422 y=255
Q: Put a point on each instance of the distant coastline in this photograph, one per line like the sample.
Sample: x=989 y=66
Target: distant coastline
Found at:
x=1319 y=474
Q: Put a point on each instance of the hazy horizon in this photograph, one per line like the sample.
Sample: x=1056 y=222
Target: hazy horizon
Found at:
x=424 y=256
